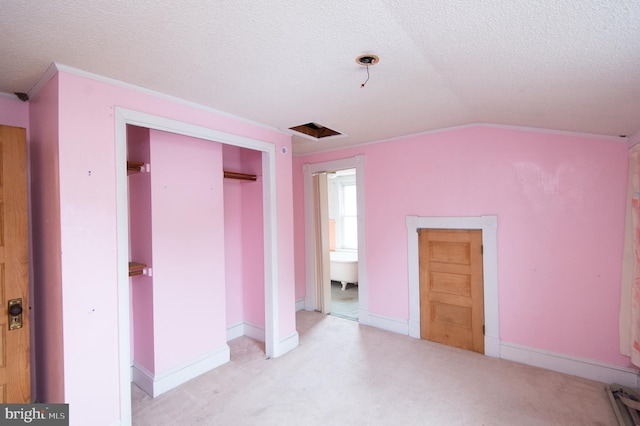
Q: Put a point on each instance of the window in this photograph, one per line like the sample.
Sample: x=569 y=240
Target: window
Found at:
x=347 y=217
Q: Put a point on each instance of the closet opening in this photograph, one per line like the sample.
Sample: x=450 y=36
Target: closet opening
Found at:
x=195 y=239
x=179 y=306
x=244 y=243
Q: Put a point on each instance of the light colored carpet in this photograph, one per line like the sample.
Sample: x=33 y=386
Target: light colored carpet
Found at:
x=347 y=374
x=344 y=303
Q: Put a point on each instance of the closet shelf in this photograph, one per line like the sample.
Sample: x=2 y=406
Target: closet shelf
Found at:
x=136 y=268
x=136 y=167
x=242 y=176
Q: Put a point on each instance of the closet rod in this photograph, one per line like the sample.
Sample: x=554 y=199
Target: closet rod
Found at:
x=236 y=175
x=135 y=166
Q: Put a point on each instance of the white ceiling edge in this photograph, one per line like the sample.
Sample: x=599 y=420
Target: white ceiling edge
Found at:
x=56 y=67
x=620 y=139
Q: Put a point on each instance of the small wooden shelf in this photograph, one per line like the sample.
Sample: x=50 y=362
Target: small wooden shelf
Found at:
x=136 y=268
x=241 y=176
x=135 y=167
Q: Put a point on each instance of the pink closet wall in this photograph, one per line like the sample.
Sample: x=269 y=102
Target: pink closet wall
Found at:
x=244 y=238
x=187 y=219
x=176 y=228
x=86 y=233
x=233 y=250
x=253 y=254
x=559 y=200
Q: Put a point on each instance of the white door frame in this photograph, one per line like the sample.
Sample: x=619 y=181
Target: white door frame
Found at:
x=489 y=227
x=308 y=171
x=122 y=118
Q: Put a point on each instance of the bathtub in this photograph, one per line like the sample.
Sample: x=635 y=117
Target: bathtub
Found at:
x=344 y=267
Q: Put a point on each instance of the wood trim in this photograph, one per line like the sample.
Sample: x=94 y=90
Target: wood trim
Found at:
x=136 y=268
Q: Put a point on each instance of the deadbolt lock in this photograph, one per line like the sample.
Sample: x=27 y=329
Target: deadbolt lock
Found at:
x=15 y=314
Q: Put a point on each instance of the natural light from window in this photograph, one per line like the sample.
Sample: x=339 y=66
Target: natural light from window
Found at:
x=348 y=216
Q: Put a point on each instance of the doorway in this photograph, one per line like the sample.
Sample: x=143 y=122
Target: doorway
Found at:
x=451 y=288
x=489 y=227
x=15 y=331
x=343 y=242
x=317 y=268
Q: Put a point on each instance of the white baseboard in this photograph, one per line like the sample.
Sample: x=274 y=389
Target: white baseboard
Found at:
x=235 y=331
x=253 y=331
x=309 y=305
x=158 y=384
x=363 y=317
x=143 y=378
x=586 y=368
x=288 y=344
x=414 y=328
x=300 y=304
x=389 y=324
x=581 y=367
x=492 y=346
x=245 y=329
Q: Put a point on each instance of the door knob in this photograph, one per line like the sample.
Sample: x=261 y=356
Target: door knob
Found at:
x=15 y=309
x=15 y=314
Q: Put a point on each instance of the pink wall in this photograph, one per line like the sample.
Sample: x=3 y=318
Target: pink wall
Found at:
x=233 y=251
x=14 y=112
x=244 y=238
x=253 y=241
x=188 y=248
x=560 y=206
x=87 y=233
x=45 y=215
x=253 y=258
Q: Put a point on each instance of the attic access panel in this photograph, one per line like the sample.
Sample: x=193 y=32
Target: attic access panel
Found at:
x=315 y=130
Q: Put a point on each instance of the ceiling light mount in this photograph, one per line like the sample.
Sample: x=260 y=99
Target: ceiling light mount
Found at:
x=367 y=59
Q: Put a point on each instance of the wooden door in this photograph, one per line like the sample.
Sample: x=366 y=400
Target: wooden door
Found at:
x=15 y=372
x=451 y=288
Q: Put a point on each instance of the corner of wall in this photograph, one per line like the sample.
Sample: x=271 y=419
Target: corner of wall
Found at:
x=45 y=217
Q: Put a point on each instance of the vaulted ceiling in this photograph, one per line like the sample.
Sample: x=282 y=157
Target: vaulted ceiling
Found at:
x=571 y=65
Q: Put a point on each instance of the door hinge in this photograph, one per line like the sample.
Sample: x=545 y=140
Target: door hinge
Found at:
x=483 y=333
x=481 y=249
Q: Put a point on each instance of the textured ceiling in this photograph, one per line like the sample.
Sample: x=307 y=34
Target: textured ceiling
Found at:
x=571 y=65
